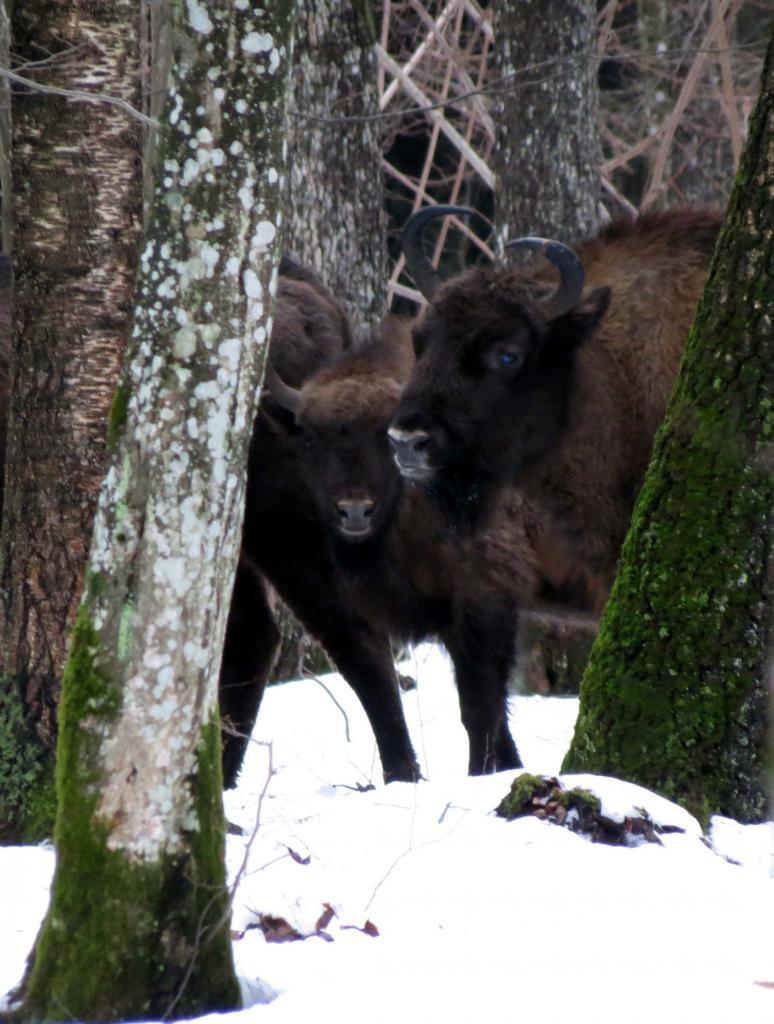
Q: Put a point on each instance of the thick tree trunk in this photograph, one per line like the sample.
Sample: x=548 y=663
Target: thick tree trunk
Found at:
x=674 y=696
x=546 y=160
x=77 y=233
x=138 y=923
x=335 y=221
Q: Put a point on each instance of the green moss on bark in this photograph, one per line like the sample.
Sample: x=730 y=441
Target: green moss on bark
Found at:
x=126 y=939
x=118 y=413
x=674 y=696
x=27 y=796
x=675 y=682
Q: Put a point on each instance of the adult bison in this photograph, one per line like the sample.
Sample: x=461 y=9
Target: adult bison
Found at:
x=285 y=543
x=409 y=576
x=557 y=389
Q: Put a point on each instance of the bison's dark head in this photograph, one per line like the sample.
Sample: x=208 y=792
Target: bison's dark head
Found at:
x=342 y=414
x=495 y=357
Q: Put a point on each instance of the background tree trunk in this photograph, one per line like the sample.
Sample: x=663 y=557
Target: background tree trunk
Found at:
x=546 y=164
x=334 y=217
x=547 y=155
x=335 y=221
x=77 y=232
x=6 y=219
x=700 y=165
x=674 y=696
x=138 y=924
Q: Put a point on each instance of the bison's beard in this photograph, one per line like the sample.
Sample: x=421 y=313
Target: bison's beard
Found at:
x=463 y=501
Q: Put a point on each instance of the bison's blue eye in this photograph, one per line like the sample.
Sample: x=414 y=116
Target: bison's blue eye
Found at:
x=509 y=359
x=497 y=359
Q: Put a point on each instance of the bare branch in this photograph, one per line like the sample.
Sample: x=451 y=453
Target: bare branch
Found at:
x=451 y=133
x=79 y=95
x=728 y=97
x=670 y=126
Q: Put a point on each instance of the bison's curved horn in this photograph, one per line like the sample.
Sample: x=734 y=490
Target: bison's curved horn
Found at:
x=567 y=263
x=282 y=393
x=419 y=266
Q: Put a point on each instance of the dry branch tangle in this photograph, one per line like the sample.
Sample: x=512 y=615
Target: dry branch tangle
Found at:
x=432 y=53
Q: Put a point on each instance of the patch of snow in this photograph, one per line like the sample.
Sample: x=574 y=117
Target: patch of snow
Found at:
x=470 y=917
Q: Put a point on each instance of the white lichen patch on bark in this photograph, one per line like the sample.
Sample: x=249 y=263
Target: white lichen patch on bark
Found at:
x=168 y=526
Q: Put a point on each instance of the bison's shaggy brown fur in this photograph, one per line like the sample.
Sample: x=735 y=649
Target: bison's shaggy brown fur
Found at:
x=565 y=405
x=285 y=542
x=409 y=576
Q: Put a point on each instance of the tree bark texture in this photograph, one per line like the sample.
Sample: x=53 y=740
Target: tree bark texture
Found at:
x=76 y=171
x=700 y=165
x=547 y=155
x=546 y=164
x=156 y=50
x=138 y=925
x=335 y=220
x=6 y=218
x=674 y=696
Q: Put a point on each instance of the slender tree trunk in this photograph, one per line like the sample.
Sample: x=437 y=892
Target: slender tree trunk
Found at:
x=335 y=220
x=547 y=155
x=674 y=696
x=156 y=52
x=6 y=216
x=138 y=925
x=77 y=233
x=699 y=167
x=546 y=164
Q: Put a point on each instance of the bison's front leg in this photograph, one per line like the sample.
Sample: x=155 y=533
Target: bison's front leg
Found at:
x=482 y=645
x=364 y=658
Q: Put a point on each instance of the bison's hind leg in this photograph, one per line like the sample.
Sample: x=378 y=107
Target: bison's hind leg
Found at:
x=482 y=645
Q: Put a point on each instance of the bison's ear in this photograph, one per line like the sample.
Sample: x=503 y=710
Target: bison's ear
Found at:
x=582 y=321
x=276 y=420
x=575 y=327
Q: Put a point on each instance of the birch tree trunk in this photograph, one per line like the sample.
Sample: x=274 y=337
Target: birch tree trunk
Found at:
x=675 y=693
x=547 y=155
x=77 y=234
x=336 y=222
x=138 y=925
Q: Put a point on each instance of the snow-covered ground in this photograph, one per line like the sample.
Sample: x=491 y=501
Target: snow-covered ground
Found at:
x=418 y=904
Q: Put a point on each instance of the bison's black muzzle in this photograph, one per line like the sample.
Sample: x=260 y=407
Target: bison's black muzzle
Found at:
x=411 y=451
x=355 y=517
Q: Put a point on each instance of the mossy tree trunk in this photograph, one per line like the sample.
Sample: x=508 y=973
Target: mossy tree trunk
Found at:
x=138 y=925
x=674 y=696
x=77 y=229
x=546 y=160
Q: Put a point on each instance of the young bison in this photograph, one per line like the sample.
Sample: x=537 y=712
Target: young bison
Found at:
x=557 y=390
x=407 y=575
x=285 y=541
